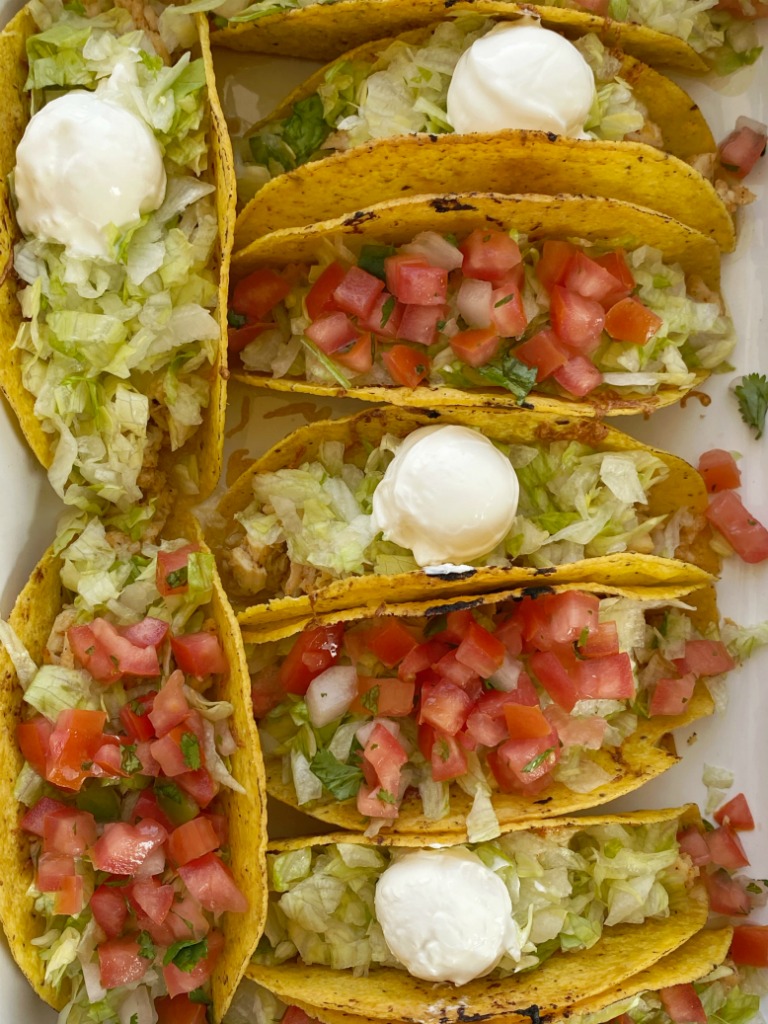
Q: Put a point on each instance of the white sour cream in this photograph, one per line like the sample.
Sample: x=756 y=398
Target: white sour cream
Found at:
x=520 y=75
x=445 y=915
x=84 y=166
x=449 y=495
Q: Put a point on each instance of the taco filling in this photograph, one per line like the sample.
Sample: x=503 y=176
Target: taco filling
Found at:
x=125 y=751
x=511 y=697
x=119 y=334
x=488 y=310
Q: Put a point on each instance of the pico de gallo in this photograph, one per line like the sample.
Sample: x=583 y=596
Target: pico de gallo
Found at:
x=742 y=532
x=125 y=750
x=507 y=698
x=489 y=310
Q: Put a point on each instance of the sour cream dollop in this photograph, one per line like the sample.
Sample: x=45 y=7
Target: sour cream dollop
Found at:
x=445 y=915
x=521 y=75
x=83 y=165
x=449 y=495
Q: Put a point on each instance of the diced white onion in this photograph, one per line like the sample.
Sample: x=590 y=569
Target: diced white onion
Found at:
x=507 y=674
x=436 y=249
x=473 y=302
x=330 y=694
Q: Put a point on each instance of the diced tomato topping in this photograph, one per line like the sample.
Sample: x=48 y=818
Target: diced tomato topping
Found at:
x=507 y=311
x=314 y=651
x=171 y=575
x=736 y=813
x=631 y=321
x=419 y=324
x=239 y=338
x=461 y=675
x=389 y=698
x=480 y=650
x=191 y=840
x=122 y=849
x=489 y=254
x=390 y=641
x=671 y=695
x=578 y=376
x=169 y=708
x=750 y=945
x=581 y=732
x=387 y=756
x=528 y=760
x=692 y=842
x=266 y=690
x=200 y=785
x=357 y=292
x=444 y=706
x=180 y=1010
x=726 y=849
x=554 y=620
x=422 y=657
x=52 y=871
x=406 y=366
x=199 y=654
x=744 y=533
x=211 y=882
x=319 y=298
x=120 y=963
x=719 y=470
x=705 y=658
x=510 y=634
x=577 y=322
x=590 y=279
x=726 y=894
x=109 y=909
x=683 y=1004
x=33 y=819
x=147 y=633
x=136 y=721
x=543 y=351
x=608 y=678
x=485 y=728
x=293 y=1015
x=384 y=319
x=553 y=265
x=557 y=674
x=456 y=625
x=70 y=896
x=180 y=750
x=740 y=151
x=415 y=282
x=69 y=831
x=525 y=722
x=616 y=264
x=476 y=347
x=447 y=758
x=258 y=293
x=600 y=641
x=376 y=802
x=74 y=741
x=107 y=655
x=33 y=738
x=152 y=898
x=332 y=331
x=359 y=356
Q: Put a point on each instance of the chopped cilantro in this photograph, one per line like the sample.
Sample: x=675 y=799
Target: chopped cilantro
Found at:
x=146 y=946
x=370 y=700
x=371 y=259
x=199 y=995
x=186 y=954
x=235 y=319
x=511 y=374
x=752 y=395
x=535 y=762
x=387 y=309
x=190 y=751
x=504 y=301
x=129 y=762
x=178 y=578
x=343 y=780
x=386 y=797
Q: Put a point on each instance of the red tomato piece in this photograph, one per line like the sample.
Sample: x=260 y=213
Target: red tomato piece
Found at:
x=480 y=650
x=719 y=470
x=444 y=706
x=582 y=732
x=319 y=298
x=590 y=279
x=152 y=898
x=171 y=574
x=332 y=331
x=554 y=620
x=199 y=784
x=390 y=641
x=390 y=698
x=314 y=651
x=239 y=338
x=736 y=813
x=130 y=659
x=602 y=640
x=180 y=1010
x=692 y=842
x=406 y=366
x=419 y=324
x=509 y=631
x=706 y=658
x=52 y=871
x=180 y=750
x=683 y=1004
x=199 y=654
x=191 y=840
x=740 y=151
x=485 y=728
x=387 y=756
x=476 y=347
x=109 y=909
x=744 y=533
x=726 y=894
x=750 y=945
x=170 y=706
x=120 y=963
x=69 y=831
x=461 y=675
x=631 y=321
x=578 y=376
x=359 y=356
x=74 y=741
x=293 y=1015
x=577 y=322
x=417 y=283
x=147 y=807
x=599 y=7
x=212 y=884
x=544 y=351
x=553 y=265
x=616 y=264
x=258 y=293
x=525 y=722
x=447 y=759
x=375 y=802
x=422 y=657
x=33 y=819
x=489 y=254
x=608 y=678
x=507 y=311
x=357 y=292
x=266 y=691
x=670 y=696
x=147 y=633
x=385 y=317
x=91 y=655
x=529 y=760
x=187 y=920
x=33 y=738
x=726 y=849
x=70 y=897
x=557 y=674
x=122 y=849
x=136 y=721
x=456 y=625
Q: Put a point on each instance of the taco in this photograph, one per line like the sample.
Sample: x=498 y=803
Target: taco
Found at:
x=296 y=535
x=546 y=916
x=112 y=334
x=501 y=289
x=576 y=118
x=134 y=742
x=688 y=38
x=531 y=703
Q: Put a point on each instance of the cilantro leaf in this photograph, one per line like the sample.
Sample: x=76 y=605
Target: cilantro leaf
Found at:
x=387 y=309
x=236 y=319
x=146 y=946
x=343 y=780
x=186 y=954
x=372 y=258
x=190 y=751
x=534 y=763
x=752 y=395
x=511 y=374
x=129 y=762
x=178 y=578
x=370 y=700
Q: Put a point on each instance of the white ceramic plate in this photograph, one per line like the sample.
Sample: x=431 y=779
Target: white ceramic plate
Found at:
x=255 y=421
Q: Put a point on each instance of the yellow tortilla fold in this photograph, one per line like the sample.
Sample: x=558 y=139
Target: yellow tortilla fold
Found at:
x=590 y=219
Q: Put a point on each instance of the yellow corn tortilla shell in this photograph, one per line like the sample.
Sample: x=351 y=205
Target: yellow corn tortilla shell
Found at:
x=693 y=960
x=645 y=754
x=324 y=31
x=208 y=441
x=601 y=221
x=683 y=487
x=32 y=619
x=562 y=980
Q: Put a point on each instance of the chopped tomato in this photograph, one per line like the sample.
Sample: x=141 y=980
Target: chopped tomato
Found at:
x=332 y=331
x=671 y=695
x=456 y=625
x=120 y=962
x=726 y=894
x=385 y=317
x=750 y=945
x=556 y=673
x=179 y=982
x=180 y=1010
x=258 y=293
x=240 y=337
x=447 y=759
x=375 y=802
x=52 y=871
x=602 y=640
x=34 y=738
x=719 y=470
x=74 y=741
x=107 y=655
x=616 y=264
x=415 y=282
x=444 y=706
x=553 y=265
x=577 y=322
x=507 y=311
x=590 y=279
x=544 y=351
x=319 y=298
x=692 y=842
x=386 y=754
x=736 y=813
x=180 y=750
x=389 y=698
x=480 y=650
x=171 y=575
x=70 y=896
x=147 y=633
x=136 y=721
x=608 y=678
x=69 y=831
x=489 y=254
x=419 y=324
x=198 y=784
x=313 y=652
x=109 y=909
x=631 y=321
x=293 y=1015
x=553 y=620
x=529 y=760
x=510 y=634
x=726 y=849
x=199 y=654
x=33 y=819
x=390 y=641
x=187 y=920
x=170 y=706
x=578 y=376
x=450 y=668
x=683 y=1004
x=476 y=347
x=486 y=728
x=357 y=292
x=422 y=657
x=266 y=690
x=744 y=533
x=740 y=151
x=525 y=722
x=211 y=882
x=152 y=898
x=574 y=731
x=192 y=840
x=122 y=849
x=705 y=658
x=359 y=356
x=406 y=366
